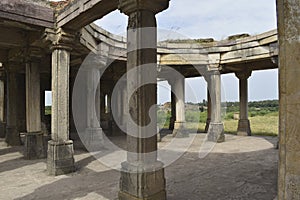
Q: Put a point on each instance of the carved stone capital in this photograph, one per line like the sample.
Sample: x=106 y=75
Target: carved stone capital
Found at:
x=59 y=38
x=243 y=74
x=33 y=54
x=155 y=6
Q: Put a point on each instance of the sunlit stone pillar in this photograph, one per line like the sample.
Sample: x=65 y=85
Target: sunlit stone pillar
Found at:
x=34 y=137
x=179 y=125
x=142 y=175
x=60 y=158
x=244 y=123
x=216 y=127
x=93 y=136
x=2 y=103
x=12 y=137
x=289 y=88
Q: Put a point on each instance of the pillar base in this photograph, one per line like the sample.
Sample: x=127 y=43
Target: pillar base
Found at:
x=2 y=129
x=60 y=158
x=12 y=137
x=179 y=130
x=34 y=146
x=141 y=182
x=207 y=125
x=244 y=128
x=93 y=139
x=216 y=132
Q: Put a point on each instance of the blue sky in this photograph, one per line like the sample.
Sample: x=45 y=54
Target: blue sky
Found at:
x=217 y=19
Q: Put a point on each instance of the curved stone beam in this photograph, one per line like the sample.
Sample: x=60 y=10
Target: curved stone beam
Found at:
x=258 y=52
x=80 y=13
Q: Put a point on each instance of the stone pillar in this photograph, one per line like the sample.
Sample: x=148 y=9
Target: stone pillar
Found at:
x=34 y=137
x=216 y=127
x=12 y=137
x=60 y=158
x=179 y=125
x=142 y=175
x=208 y=119
x=2 y=104
x=94 y=137
x=173 y=109
x=289 y=89
x=244 y=123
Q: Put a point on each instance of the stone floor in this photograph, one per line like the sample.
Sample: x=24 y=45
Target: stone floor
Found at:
x=242 y=168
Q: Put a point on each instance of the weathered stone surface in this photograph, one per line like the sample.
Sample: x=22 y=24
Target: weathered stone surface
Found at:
x=12 y=133
x=60 y=148
x=34 y=146
x=150 y=178
x=215 y=132
x=60 y=158
x=289 y=64
x=244 y=128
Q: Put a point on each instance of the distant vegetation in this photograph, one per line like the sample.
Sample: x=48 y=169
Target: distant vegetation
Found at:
x=263 y=116
x=47 y=110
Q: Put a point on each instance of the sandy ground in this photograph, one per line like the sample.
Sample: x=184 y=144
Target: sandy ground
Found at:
x=242 y=168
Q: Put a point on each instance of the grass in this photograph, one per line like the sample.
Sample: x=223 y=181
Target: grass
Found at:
x=260 y=125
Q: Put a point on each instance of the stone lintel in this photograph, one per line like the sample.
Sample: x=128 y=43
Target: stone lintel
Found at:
x=244 y=128
x=142 y=182
x=34 y=145
x=60 y=158
x=216 y=132
x=155 y=6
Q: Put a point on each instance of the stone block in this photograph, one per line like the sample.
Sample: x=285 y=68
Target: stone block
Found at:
x=60 y=158
x=244 y=128
x=34 y=146
x=216 y=132
x=142 y=182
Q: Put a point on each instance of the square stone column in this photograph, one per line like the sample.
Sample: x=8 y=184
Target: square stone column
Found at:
x=60 y=158
x=142 y=175
x=289 y=90
x=2 y=104
x=34 y=145
x=12 y=136
x=178 y=86
x=244 y=123
x=216 y=128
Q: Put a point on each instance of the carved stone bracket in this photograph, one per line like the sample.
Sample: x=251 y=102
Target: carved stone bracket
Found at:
x=155 y=6
x=59 y=38
x=243 y=74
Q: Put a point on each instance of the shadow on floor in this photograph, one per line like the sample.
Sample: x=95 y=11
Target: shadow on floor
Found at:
x=219 y=176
